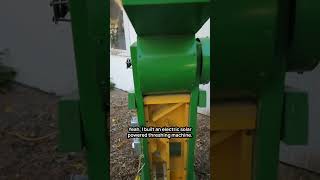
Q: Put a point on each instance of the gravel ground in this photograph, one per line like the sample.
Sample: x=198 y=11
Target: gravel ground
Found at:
x=124 y=165
x=28 y=138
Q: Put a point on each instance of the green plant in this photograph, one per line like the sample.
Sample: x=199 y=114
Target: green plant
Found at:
x=7 y=74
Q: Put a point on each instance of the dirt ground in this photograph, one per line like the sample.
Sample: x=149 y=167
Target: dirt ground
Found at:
x=123 y=162
x=28 y=138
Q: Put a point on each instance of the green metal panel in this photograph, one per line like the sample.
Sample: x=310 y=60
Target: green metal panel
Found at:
x=193 y=124
x=244 y=41
x=70 y=128
x=248 y=61
x=150 y=80
x=205 y=56
x=202 y=99
x=167 y=64
x=183 y=64
x=145 y=175
x=167 y=58
x=131 y=101
x=270 y=108
x=295 y=119
x=255 y=43
x=304 y=51
x=90 y=27
x=166 y=17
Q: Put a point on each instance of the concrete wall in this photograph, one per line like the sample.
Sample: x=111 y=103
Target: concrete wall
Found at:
x=40 y=51
x=119 y=74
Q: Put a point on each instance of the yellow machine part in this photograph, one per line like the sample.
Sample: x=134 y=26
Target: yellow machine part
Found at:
x=232 y=140
x=167 y=157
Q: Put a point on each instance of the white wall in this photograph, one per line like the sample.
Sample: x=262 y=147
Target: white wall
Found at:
x=119 y=74
x=40 y=51
x=205 y=30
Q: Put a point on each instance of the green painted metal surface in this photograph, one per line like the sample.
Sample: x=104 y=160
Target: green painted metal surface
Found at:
x=193 y=125
x=202 y=99
x=166 y=17
x=167 y=64
x=244 y=44
x=193 y=122
x=70 y=125
x=255 y=44
x=205 y=56
x=269 y=117
x=166 y=58
x=145 y=175
x=139 y=93
x=295 y=119
x=247 y=40
x=90 y=27
x=132 y=101
x=247 y=61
